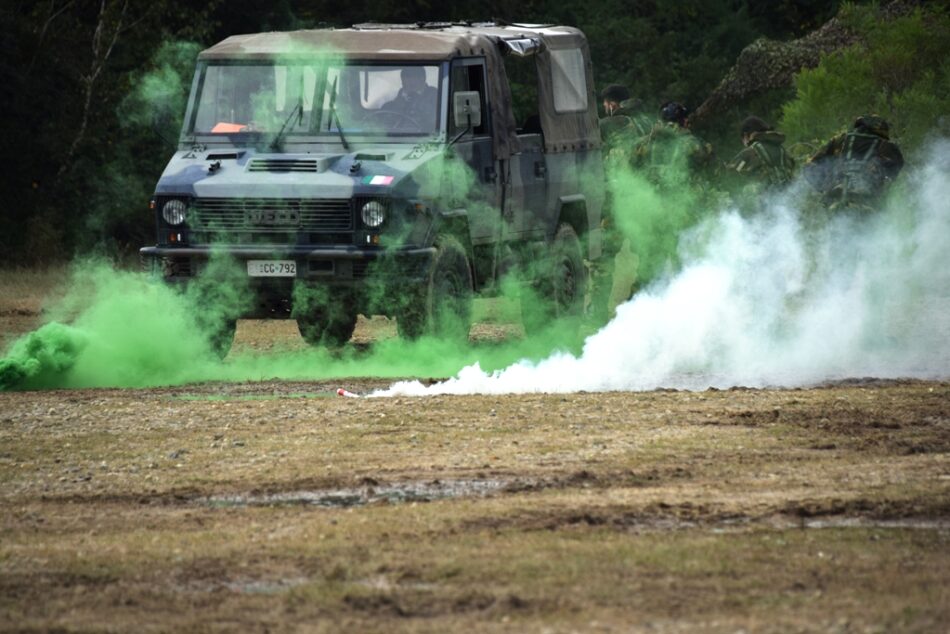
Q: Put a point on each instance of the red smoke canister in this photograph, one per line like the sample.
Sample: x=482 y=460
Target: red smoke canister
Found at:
x=343 y=392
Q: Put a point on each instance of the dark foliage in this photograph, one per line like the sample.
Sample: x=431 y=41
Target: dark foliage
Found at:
x=79 y=166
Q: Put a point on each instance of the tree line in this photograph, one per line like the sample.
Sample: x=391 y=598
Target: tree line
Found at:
x=81 y=155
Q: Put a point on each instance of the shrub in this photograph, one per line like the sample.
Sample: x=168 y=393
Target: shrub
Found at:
x=897 y=72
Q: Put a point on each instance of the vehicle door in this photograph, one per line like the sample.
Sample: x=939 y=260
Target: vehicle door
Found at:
x=528 y=169
x=474 y=176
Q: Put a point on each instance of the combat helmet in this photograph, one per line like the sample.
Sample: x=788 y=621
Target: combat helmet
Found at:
x=674 y=112
x=615 y=92
x=754 y=124
x=873 y=124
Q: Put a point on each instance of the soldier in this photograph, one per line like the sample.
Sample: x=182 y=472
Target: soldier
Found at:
x=620 y=129
x=613 y=125
x=614 y=118
x=624 y=117
x=673 y=159
x=854 y=169
x=764 y=164
x=416 y=100
x=671 y=152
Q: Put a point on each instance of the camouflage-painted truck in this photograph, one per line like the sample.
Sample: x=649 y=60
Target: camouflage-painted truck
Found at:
x=384 y=169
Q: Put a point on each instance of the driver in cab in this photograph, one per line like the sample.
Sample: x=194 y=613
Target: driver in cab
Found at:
x=416 y=100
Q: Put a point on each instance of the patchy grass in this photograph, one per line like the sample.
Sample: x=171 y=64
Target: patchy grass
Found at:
x=27 y=294
x=673 y=511
x=28 y=290
x=764 y=510
x=24 y=293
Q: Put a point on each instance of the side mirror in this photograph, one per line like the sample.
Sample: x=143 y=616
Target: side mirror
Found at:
x=468 y=109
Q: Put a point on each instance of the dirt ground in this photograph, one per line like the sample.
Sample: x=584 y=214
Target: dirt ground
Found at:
x=281 y=507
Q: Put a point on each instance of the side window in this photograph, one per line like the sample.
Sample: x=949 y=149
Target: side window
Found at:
x=568 y=80
x=523 y=77
x=469 y=75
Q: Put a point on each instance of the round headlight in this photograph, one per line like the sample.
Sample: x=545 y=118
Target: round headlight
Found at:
x=174 y=212
x=374 y=213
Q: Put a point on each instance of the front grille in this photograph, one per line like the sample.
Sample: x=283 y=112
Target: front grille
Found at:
x=281 y=217
x=282 y=165
x=176 y=267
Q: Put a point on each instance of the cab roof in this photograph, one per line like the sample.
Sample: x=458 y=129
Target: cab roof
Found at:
x=435 y=42
x=399 y=42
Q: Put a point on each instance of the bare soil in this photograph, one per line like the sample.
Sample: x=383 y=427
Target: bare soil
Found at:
x=281 y=507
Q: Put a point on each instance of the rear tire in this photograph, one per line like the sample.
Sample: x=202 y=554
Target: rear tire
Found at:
x=560 y=286
x=442 y=307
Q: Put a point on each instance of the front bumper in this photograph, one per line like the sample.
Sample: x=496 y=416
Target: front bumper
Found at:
x=339 y=265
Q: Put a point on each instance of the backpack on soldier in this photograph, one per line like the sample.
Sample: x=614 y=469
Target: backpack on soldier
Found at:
x=778 y=171
x=859 y=174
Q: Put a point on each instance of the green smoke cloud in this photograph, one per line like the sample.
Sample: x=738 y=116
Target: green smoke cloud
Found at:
x=149 y=118
x=129 y=330
x=126 y=331
x=123 y=329
x=659 y=186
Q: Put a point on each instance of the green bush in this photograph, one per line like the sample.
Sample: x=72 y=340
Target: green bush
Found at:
x=118 y=220
x=898 y=72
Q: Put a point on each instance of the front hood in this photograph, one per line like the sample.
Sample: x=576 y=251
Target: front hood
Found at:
x=406 y=170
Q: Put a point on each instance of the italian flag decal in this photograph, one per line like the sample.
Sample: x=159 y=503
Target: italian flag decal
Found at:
x=377 y=180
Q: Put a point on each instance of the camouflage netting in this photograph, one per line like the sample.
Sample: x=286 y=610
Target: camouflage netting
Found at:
x=768 y=65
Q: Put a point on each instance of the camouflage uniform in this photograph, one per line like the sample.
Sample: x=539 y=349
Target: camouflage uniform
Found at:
x=670 y=156
x=626 y=124
x=620 y=132
x=668 y=150
x=631 y=109
x=765 y=160
x=854 y=169
x=762 y=166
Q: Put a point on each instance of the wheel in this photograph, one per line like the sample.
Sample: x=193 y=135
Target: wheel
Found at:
x=441 y=307
x=217 y=328
x=326 y=331
x=560 y=284
x=221 y=336
x=323 y=319
x=219 y=294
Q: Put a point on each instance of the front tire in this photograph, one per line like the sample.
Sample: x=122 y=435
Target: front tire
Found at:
x=331 y=332
x=221 y=337
x=324 y=318
x=442 y=307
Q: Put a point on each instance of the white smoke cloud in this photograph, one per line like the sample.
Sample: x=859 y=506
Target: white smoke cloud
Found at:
x=767 y=301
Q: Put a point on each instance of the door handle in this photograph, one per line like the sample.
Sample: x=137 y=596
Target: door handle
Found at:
x=540 y=169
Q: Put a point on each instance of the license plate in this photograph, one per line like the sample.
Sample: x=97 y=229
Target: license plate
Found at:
x=272 y=268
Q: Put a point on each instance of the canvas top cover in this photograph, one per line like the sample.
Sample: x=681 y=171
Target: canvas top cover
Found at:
x=565 y=86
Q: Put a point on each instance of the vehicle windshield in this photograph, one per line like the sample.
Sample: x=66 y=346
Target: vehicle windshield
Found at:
x=317 y=98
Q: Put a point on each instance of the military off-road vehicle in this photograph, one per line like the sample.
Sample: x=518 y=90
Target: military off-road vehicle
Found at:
x=386 y=169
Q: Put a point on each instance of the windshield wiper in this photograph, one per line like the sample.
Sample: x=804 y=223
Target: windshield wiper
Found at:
x=298 y=111
x=334 y=117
